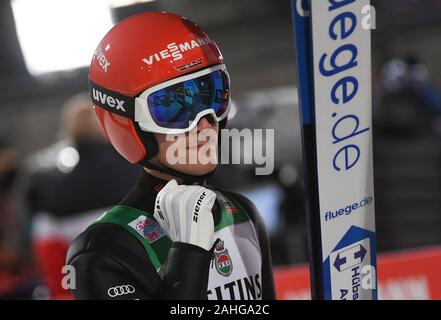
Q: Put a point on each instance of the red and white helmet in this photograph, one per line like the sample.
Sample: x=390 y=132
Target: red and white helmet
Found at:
x=142 y=51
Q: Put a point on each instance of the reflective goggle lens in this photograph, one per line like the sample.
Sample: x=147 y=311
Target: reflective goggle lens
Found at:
x=178 y=105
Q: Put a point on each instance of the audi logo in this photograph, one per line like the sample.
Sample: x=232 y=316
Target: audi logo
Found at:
x=120 y=290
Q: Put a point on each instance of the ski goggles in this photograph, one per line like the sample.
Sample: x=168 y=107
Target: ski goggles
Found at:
x=174 y=106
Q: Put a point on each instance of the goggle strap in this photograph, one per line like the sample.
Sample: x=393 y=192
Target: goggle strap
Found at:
x=112 y=101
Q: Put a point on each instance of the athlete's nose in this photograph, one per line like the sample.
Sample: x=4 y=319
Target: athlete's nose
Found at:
x=206 y=122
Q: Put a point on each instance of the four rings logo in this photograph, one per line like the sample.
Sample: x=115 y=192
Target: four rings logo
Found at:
x=120 y=290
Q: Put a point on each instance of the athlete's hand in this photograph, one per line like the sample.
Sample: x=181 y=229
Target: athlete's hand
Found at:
x=184 y=212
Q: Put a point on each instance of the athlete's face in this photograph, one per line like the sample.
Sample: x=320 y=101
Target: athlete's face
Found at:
x=193 y=153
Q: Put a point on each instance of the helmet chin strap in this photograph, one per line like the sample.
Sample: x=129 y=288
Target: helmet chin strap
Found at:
x=187 y=178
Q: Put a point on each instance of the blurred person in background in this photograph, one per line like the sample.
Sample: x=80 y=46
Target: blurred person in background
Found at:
x=14 y=277
x=66 y=186
x=407 y=155
x=409 y=101
x=8 y=167
x=17 y=277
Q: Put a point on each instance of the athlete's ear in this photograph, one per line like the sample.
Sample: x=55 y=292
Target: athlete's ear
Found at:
x=149 y=141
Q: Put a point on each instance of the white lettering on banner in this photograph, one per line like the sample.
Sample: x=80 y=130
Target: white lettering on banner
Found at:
x=176 y=51
x=415 y=287
x=342 y=96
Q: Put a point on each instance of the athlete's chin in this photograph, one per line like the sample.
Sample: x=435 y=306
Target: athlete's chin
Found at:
x=196 y=169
